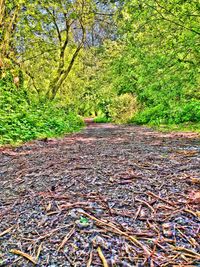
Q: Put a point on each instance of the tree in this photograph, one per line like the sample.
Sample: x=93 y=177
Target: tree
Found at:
x=158 y=58
x=51 y=35
x=9 y=16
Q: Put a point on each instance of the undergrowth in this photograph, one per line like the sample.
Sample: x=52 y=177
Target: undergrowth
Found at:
x=102 y=119
x=183 y=127
x=180 y=114
x=22 y=119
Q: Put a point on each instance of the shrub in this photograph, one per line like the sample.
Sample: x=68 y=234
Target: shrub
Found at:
x=175 y=113
x=102 y=119
x=122 y=108
x=21 y=121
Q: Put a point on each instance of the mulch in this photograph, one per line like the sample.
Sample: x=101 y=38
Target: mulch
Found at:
x=108 y=196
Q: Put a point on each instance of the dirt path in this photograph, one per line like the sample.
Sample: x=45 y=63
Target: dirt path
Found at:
x=139 y=185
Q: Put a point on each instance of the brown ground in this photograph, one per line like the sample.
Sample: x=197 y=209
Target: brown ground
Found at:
x=116 y=195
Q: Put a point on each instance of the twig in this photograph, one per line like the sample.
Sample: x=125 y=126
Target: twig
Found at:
x=67 y=237
x=6 y=231
x=138 y=212
x=25 y=255
x=158 y=197
x=196 y=214
x=188 y=251
x=39 y=251
x=147 y=204
x=90 y=258
x=105 y=203
x=118 y=231
x=73 y=205
x=101 y=256
x=50 y=233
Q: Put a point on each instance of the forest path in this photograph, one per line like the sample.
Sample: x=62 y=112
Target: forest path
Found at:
x=142 y=181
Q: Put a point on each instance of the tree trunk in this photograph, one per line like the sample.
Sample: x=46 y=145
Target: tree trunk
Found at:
x=62 y=76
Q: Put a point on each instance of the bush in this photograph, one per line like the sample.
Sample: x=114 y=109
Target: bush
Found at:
x=21 y=121
x=102 y=119
x=169 y=114
x=188 y=112
x=122 y=108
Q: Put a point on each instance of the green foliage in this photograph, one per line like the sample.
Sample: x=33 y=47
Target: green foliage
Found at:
x=182 y=127
x=122 y=108
x=163 y=114
x=21 y=121
x=157 y=59
x=139 y=65
x=84 y=220
x=102 y=119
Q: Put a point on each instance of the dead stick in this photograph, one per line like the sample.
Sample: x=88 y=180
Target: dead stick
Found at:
x=186 y=250
x=39 y=251
x=25 y=255
x=147 y=204
x=138 y=212
x=158 y=197
x=67 y=237
x=6 y=231
x=90 y=258
x=101 y=256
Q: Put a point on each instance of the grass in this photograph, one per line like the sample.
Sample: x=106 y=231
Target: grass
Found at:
x=184 y=127
x=102 y=120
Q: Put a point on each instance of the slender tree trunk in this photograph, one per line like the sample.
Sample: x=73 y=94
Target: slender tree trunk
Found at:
x=8 y=23
x=58 y=81
x=2 y=18
x=63 y=71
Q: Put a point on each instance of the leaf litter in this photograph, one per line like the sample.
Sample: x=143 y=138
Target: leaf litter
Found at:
x=108 y=196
